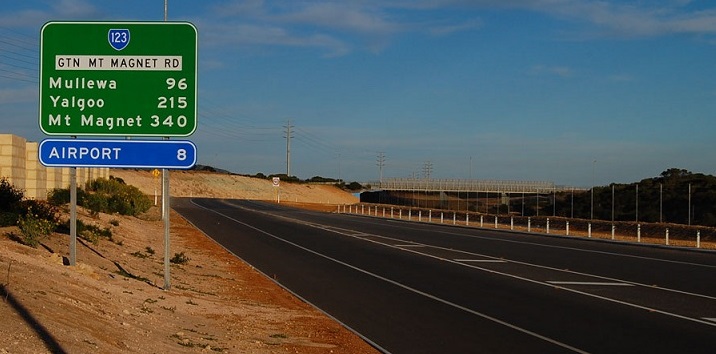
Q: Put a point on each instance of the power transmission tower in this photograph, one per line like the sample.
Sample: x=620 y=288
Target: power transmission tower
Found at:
x=427 y=169
x=288 y=137
x=381 y=163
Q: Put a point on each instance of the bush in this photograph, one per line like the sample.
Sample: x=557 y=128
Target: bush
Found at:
x=106 y=196
x=179 y=258
x=34 y=228
x=42 y=210
x=10 y=197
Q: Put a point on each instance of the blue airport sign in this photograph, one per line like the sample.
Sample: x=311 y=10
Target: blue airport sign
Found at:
x=169 y=154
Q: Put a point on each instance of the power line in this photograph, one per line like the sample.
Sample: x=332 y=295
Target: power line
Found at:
x=288 y=137
x=381 y=163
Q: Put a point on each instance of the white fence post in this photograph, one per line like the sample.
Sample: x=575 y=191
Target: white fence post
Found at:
x=529 y=224
x=362 y=209
x=481 y=220
x=441 y=217
x=467 y=219
x=383 y=211
x=454 y=218
x=667 y=236
x=614 y=229
x=495 y=221
x=566 y=232
x=547 y=225
x=638 y=232
x=589 y=230
x=420 y=215
x=512 y=222
x=430 y=216
x=391 y=212
x=410 y=211
x=698 y=238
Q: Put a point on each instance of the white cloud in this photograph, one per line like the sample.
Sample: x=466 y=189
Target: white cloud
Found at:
x=561 y=71
x=444 y=30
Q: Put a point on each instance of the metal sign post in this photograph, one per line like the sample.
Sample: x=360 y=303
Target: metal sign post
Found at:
x=276 y=182
x=119 y=79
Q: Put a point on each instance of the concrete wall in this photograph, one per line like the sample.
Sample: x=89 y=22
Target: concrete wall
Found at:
x=19 y=163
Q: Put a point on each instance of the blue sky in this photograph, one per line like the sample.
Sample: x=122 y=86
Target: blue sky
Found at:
x=489 y=89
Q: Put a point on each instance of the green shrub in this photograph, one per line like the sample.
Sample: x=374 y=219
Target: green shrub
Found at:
x=8 y=219
x=10 y=197
x=107 y=196
x=41 y=210
x=95 y=203
x=33 y=228
x=179 y=258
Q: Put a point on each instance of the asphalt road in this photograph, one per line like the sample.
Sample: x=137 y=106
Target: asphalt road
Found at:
x=419 y=288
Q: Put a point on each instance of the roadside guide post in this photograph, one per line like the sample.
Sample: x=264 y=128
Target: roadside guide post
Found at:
x=155 y=173
x=276 y=182
x=118 y=79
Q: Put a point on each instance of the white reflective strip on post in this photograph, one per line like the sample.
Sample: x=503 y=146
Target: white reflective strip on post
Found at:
x=698 y=238
x=529 y=224
x=547 y=225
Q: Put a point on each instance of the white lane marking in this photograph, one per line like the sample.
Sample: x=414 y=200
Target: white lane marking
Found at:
x=552 y=285
x=572 y=248
x=390 y=281
x=481 y=260
x=709 y=319
x=512 y=275
x=556 y=282
x=368 y=340
x=549 y=268
x=408 y=245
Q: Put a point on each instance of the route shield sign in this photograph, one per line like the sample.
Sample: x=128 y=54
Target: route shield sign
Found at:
x=171 y=154
x=118 y=78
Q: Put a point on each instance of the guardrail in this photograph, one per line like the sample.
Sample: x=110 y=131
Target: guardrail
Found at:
x=664 y=234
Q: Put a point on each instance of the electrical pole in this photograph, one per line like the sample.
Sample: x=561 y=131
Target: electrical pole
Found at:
x=381 y=163
x=288 y=137
x=427 y=169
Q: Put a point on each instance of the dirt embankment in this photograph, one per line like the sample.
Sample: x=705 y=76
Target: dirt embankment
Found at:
x=219 y=185
x=112 y=300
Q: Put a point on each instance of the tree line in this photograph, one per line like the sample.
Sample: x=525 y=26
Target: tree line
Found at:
x=675 y=196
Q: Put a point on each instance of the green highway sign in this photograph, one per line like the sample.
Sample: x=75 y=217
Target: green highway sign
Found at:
x=118 y=78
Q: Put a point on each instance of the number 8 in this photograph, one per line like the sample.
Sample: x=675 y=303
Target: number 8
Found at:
x=181 y=154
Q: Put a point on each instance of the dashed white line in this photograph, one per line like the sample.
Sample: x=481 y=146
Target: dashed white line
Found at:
x=481 y=260
x=598 y=283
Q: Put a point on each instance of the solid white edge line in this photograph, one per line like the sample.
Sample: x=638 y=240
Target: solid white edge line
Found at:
x=366 y=339
x=487 y=317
